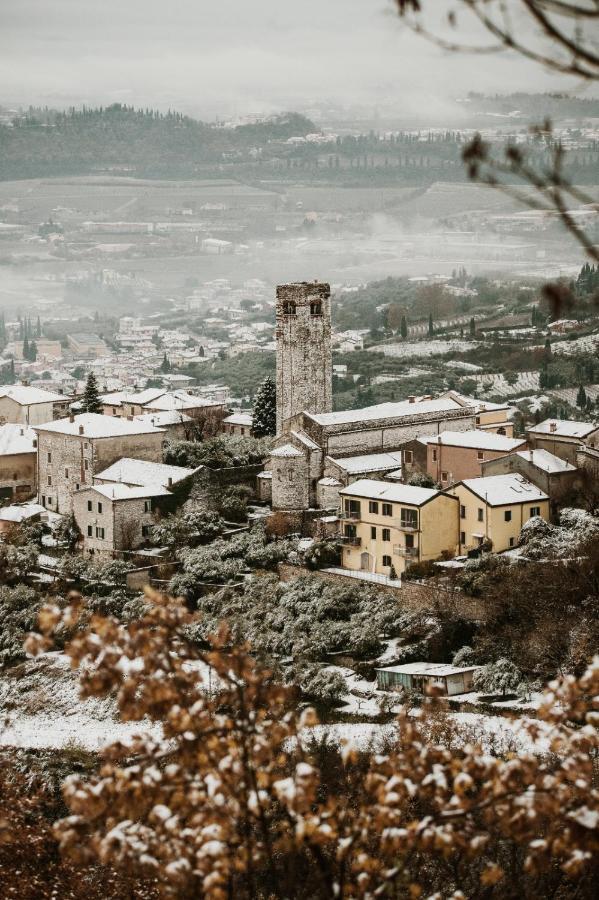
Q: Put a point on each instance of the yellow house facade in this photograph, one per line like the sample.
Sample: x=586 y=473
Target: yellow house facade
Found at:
x=495 y=508
x=387 y=527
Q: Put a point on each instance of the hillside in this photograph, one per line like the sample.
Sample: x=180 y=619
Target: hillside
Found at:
x=123 y=140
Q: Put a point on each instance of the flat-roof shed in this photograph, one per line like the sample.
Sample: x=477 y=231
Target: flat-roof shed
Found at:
x=419 y=676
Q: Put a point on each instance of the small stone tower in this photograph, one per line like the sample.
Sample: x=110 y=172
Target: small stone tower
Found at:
x=304 y=360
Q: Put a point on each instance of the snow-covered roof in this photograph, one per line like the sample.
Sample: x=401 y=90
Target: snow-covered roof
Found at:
x=546 y=461
x=287 y=450
x=180 y=400
x=372 y=462
x=329 y=482
x=114 y=491
x=162 y=419
x=303 y=438
x=501 y=490
x=564 y=428
x=20 y=512
x=141 y=472
x=239 y=419
x=95 y=425
x=390 y=493
x=476 y=402
x=477 y=440
x=265 y=474
x=113 y=399
x=25 y=395
x=386 y=411
x=16 y=439
x=438 y=670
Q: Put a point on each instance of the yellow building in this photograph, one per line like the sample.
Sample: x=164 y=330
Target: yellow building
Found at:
x=495 y=508
x=492 y=417
x=387 y=527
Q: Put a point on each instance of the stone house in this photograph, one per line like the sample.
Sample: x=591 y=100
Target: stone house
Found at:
x=387 y=527
x=114 y=517
x=72 y=450
x=563 y=437
x=489 y=416
x=237 y=423
x=494 y=509
x=25 y=405
x=555 y=476
x=18 y=462
x=177 y=425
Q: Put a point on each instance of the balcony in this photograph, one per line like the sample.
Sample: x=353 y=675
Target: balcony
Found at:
x=407 y=552
x=350 y=516
x=351 y=541
x=408 y=526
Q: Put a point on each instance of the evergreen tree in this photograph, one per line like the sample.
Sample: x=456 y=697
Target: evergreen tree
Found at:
x=265 y=409
x=472 y=327
x=38 y=330
x=431 y=329
x=32 y=351
x=165 y=365
x=581 y=397
x=25 y=348
x=90 y=401
x=12 y=371
x=403 y=328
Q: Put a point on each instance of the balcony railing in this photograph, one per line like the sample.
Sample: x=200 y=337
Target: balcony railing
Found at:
x=351 y=541
x=408 y=552
x=350 y=516
x=408 y=526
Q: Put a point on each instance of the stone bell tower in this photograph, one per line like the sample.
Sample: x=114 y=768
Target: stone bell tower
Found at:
x=304 y=359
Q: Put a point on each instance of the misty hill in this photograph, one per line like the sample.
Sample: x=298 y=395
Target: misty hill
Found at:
x=532 y=107
x=121 y=139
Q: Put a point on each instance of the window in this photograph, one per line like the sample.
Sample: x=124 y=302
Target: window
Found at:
x=387 y=561
x=387 y=509
x=478 y=420
x=85 y=465
x=89 y=506
x=89 y=531
x=49 y=481
x=462 y=512
x=462 y=537
x=99 y=507
x=76 y=487
x=408 y=456
x=114 y=411
x=480 y=455
x=535 y=511
x=409 y=541
x=145 y=530
x=512 y=541
x=49 y=501
x=316 y=308
x=350 y=531
x=289 y=308
x=434 y=456
x=290 y=475
x=242 y=431
x=409 y=518
x=443 y=476
x=373 y=533
x=352 y=509
x=507 y=515
x=100 y=533
x=43 y=499
x=481 y=515
x=66 y=473
x=147 y=505
x=386 y=535
x=49 y=457
x=373 y=506
x=14 y=476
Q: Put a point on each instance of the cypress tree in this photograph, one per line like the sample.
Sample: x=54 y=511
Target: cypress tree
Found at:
x=431 y=329
x=264 y=412
x=90 y=401
x=581 y=397
x=403 y=327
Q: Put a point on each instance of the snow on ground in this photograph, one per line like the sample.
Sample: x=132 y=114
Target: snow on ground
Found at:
x=497 y=385
x=412 y=349
x=586 y=344
x=41 y=708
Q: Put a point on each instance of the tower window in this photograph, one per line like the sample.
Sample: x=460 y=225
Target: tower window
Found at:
x=289 y=308
x=316 y=308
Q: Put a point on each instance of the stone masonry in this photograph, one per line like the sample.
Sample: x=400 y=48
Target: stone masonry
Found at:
x=304 y=359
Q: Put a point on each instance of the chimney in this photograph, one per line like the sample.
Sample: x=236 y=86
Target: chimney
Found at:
x=530 y=454
x=411 y=399
x=129 y=418
x=170 y=483
x=81 y=429
x=552 y=426
x=21 y=431
x=71 y=417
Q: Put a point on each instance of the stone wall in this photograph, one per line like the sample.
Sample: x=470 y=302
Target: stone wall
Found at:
x=18 y=475
x=290 y=482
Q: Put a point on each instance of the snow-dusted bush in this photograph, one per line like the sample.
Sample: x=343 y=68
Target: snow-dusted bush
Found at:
x=322 y=685
x=322 y=554
x=188 y=528
x=465 y=656
x=541 y=540
x=498 y=677
x=19 y=607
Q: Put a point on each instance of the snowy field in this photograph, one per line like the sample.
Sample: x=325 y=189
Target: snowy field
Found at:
x=498 y=386
x=587 y=344
x=413 y=349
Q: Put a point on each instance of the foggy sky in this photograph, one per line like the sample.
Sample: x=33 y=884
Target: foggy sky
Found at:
x=237 y=56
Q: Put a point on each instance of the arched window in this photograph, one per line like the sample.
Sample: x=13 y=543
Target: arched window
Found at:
x=316 y=308
x=289 y=308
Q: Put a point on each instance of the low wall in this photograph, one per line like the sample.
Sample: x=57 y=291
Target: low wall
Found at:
x=415 y=597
